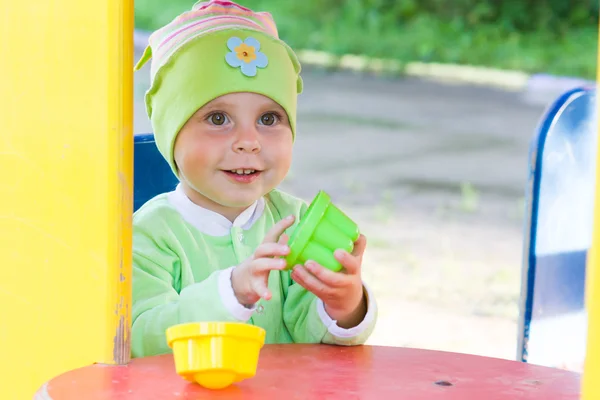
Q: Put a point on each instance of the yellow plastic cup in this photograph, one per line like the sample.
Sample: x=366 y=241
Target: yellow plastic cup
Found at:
x=215 y=354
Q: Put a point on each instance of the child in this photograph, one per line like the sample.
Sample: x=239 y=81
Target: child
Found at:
x=222 y=103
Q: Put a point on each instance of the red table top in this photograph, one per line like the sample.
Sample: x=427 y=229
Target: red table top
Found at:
x=296 y=371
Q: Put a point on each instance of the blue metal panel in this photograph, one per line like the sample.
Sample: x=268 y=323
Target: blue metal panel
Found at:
x=558 y=232
x=559 y=284
x=151 y=173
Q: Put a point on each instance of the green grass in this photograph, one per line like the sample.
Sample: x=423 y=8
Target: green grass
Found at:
x=351 y=28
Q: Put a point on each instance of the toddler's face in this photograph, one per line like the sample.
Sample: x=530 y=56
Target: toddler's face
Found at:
x=232 y=151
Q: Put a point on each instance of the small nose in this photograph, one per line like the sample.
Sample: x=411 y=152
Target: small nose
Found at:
x=247 y=141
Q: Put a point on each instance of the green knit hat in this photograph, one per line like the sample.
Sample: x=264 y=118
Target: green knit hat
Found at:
x=218 y=47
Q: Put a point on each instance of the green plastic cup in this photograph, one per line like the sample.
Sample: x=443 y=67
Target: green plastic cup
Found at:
x=323 y=229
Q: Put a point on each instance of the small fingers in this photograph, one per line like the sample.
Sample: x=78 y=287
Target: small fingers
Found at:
x=261 y=289
x=350 y=263
x=310 y=282
x=268 y=264
x=283 y=239
x=326 y=276
x=271 y=250
x=277 y=230
x=359 y=246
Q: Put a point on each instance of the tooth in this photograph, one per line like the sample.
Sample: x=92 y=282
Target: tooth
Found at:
x=248 y=171
x=238 y=171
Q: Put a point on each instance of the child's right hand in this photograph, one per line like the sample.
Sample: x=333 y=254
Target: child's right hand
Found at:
x=250 y=279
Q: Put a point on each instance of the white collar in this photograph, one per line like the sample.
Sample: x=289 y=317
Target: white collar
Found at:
x=210 y=222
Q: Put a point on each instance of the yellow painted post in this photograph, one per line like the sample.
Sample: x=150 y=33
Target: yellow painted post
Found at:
x=591 y=370
x=66 y=150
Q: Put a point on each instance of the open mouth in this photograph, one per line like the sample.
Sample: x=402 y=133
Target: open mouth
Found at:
x=243 y=171
x=243 y=175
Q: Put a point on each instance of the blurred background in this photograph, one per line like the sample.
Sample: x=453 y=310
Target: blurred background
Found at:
x=434 y=173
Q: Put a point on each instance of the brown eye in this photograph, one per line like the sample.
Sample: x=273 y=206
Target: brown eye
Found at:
x=268 y=119
x=217 y=118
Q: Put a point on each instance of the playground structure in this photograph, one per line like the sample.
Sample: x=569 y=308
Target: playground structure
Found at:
x=558 y=234
x=67 y=161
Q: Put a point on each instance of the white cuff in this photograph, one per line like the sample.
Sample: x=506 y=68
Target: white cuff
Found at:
x=228 y=297
x=336 y=331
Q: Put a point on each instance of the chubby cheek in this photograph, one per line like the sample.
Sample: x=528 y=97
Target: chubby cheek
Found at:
x=191 y=159
x=281 y=157
x=190 y=166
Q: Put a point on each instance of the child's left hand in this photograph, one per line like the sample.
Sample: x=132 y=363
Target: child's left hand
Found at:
x=341 y=292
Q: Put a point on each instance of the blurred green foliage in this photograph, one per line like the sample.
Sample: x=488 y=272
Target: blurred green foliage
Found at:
x=550 y=36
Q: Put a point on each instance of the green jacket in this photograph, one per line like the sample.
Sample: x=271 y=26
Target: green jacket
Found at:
x=183 y=256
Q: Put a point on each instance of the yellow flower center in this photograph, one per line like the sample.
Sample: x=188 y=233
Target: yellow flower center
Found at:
x=245 y=53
